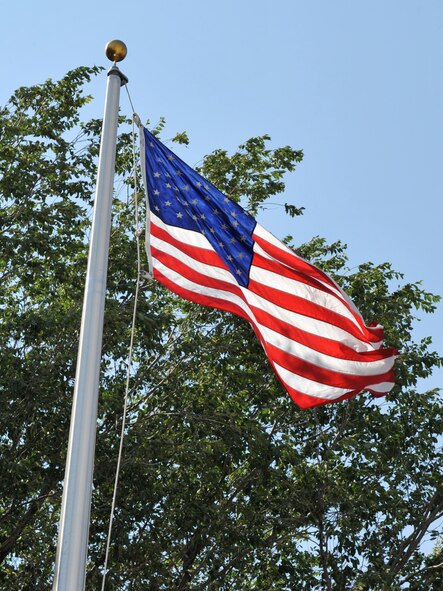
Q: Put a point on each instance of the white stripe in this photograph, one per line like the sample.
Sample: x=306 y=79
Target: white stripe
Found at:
x=307 y=386
x=382 y=388
x=182 y=235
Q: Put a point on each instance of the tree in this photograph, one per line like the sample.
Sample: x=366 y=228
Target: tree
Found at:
x=225 y=483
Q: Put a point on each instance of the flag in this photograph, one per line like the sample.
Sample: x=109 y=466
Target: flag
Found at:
x=204 y=247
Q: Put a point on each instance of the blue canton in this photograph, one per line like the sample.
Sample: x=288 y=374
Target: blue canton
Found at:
x=181 y=197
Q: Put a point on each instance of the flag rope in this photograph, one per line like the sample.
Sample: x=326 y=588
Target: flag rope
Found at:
x=131 y=344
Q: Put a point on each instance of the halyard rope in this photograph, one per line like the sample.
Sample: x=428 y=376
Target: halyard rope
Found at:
x=131 y=343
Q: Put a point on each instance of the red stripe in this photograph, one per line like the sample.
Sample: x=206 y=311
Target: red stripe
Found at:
x=304 y=401
x=377 y=331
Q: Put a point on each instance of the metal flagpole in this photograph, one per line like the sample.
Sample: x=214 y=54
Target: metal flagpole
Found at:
x=72 y=546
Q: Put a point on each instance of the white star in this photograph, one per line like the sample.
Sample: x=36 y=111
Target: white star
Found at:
x=221 y=244
x=168 y=186
x=179 y=215
x=178 y=172
x=206 y=187
x=215 y=211
x=157 y=208
x=170 y=157
x=212 y=231
x=241 y=255
x=235 y=223
x=186 y=188
x=234 y=215
x=224 y=227
x=229 y=258
x=232 y=241
x=238 y=272
x=156 y=192
x=194 y=202
x=203 y=217
x=226 y=200
x=198 y=183
x=151 y=144
x=157 y=175
x=167 y=203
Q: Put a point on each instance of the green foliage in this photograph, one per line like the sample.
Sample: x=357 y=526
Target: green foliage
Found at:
x=254 y=173
x=225 y=483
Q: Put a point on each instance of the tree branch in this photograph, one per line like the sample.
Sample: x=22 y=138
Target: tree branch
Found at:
x=34 y=506
x=410 y=544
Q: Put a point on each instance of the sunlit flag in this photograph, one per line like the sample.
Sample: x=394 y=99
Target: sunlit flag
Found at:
x=207 y=249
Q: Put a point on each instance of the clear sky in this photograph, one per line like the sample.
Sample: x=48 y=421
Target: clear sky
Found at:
x=357 y=84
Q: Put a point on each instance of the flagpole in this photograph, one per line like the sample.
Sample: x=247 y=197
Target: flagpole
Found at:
x=72 y=546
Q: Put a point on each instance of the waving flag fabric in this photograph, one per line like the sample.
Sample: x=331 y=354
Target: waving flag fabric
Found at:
x=207 y=249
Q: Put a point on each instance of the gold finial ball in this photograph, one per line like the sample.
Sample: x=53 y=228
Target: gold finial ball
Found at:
x=116 y=50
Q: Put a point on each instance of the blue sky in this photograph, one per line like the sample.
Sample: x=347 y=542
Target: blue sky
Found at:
x=356 y=84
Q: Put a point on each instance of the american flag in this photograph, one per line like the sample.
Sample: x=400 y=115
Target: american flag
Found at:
x=204 y=247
